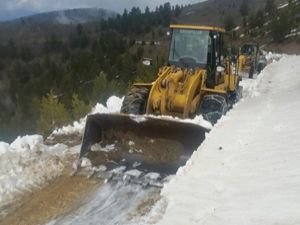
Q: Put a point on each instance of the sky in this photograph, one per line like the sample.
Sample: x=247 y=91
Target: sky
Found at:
x=15 y=8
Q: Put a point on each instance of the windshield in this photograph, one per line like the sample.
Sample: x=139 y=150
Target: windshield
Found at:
x=248 y=49
x=189 y=47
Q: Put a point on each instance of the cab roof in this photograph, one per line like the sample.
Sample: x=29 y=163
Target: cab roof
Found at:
x=196 y=27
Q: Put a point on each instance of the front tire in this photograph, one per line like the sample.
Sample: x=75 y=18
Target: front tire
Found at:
x=135 y=101
x=213 y=107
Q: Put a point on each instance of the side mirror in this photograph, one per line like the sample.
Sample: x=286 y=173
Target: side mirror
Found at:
x=147 y=61
x=220 y=69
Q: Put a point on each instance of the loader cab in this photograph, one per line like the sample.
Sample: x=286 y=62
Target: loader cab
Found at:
x=195 y=46
x=249 y=49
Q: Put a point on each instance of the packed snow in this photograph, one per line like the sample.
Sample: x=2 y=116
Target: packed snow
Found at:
x=116 y=203
x=247 y=170
x=26 y=164
x=113 y=105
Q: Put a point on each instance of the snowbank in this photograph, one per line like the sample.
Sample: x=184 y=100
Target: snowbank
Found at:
x=28 y=163
x=250 y=86
x=113 y=104
x=196 y=120
x=247 y=170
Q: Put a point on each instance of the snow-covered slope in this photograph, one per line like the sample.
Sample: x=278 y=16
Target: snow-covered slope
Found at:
x=247 y=171
x=113 y=105
x=28 y=163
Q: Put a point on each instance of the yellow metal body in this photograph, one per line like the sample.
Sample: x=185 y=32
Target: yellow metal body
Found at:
x=195 y=27
x=179 y=91
x=248 y=59
x=244 y=63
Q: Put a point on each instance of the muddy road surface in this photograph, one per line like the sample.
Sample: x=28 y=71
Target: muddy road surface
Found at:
x=81 y=200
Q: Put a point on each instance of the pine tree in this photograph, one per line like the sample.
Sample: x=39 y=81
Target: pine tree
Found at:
x=229 y=23
x=280 y=26
x=244 y=9
x=79 y=107
x=53 y=114
x=270 y=7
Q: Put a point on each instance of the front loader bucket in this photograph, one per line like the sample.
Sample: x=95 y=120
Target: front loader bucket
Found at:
x=146 y=143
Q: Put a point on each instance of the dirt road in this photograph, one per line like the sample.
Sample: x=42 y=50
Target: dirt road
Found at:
x=60 y=197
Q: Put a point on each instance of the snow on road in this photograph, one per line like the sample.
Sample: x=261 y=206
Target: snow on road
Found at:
x=28 y=163
x=113 y=203
x=113 y=105
x=247 y=171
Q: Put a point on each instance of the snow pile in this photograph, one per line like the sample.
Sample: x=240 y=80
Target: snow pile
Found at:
x=247 y=170
x=198 y=120
x=27 y=163
x=283 y=6
x=113 y=105
x=251 y=87
x=271 y=57
x=236 y=28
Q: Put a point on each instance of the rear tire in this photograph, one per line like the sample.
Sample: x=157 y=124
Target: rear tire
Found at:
x=213 y=107
x=235 y=96
x=135 y=101
x=260 y=67
x=251 y=72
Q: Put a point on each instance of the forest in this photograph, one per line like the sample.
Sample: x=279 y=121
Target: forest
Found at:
x=55 y=80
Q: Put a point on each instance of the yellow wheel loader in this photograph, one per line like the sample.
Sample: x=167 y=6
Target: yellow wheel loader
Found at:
x=145 y=135
x=250 y=60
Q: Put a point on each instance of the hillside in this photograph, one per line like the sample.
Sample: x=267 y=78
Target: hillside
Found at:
x=220 y=12
x=69 y=16
x=80 y=56
x=60 y=23
x=82 y=63
x=214 y=12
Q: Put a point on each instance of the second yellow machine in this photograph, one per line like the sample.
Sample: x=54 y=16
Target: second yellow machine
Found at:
x=197 y=80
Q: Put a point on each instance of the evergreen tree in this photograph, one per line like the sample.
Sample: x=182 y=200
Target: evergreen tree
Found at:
x=244 y=8
x=102 y=88
x=257 y=20
x=11 y=49
x=177 y=10
x=280 y=26
x=260 y=18
x=229 y=23
x=53 y=114
x=79 y=107
x=270 y=7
